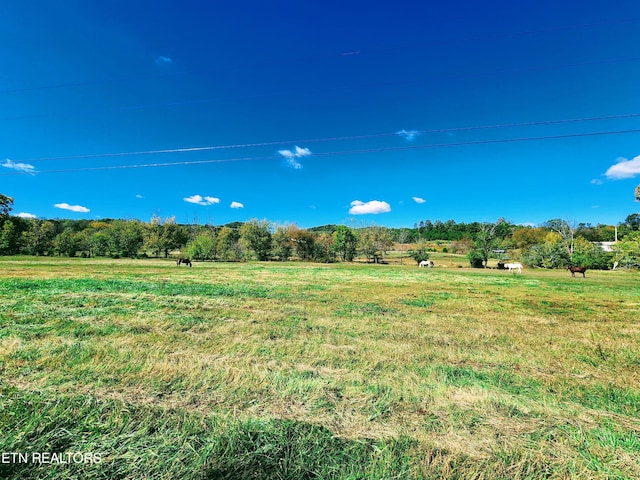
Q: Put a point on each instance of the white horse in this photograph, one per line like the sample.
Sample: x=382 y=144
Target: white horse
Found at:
x=426 y=263
x=513 y=266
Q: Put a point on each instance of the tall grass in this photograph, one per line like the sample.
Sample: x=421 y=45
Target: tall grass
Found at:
x=260 y=370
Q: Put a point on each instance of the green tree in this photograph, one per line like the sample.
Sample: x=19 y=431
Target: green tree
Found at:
x=67 y=243
x=324 y=251
x=549 y=254
x=486 y=240
x=632 y=222
x=203 y=247
x=152 y=234
x=627 y=251
x=228 y=246
x=163 y=236
x=420 y=252
x=124 y=238
x=374 y=243
x=97 y=239
x=304 y=243
x=587 y=254
x=38 y=238
x=257 y=236
x=281 y=244
x=566 y=230
x=8 y=238
x=345 y=243
x=6 y=205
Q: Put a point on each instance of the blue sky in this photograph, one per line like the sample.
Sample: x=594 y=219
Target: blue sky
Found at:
x=321 y=112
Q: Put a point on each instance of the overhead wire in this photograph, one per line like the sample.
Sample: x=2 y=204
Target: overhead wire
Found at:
x=341 y=138
x=331 y=139
x=332 y=153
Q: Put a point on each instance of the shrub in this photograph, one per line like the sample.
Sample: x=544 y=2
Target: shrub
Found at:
x=476 y=259
x=420 y=252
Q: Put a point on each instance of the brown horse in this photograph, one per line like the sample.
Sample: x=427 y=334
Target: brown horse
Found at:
x=184 y=260
x=575 y=270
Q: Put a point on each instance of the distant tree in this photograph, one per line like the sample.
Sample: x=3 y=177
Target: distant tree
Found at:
x=203 y=247
x=304 y=243
x=633 y=221
x=6 y=205
x=97 y=239
x=8 y=238
x=551 y=253
x=627 y=250
x=163 y=236
x=524 y=237
x=124 y=238
x=67 y=243
x=38 y=238
x=486 y=240
x=257 y=236
x=281 y=243
x=462 y=246
x=597 y=233
x=173 y=236
x=152 y=234
x=476 y=259
x=402 y=237
x=566 y=230
x=324 y=248
x=591 y=255
x=345 y=243
x=374 y=243
x=420 y=251
x=227 y=244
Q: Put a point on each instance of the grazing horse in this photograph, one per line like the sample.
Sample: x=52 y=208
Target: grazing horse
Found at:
x=186 y=261
x=426 y=263
x=513 y=266
x=575 y=270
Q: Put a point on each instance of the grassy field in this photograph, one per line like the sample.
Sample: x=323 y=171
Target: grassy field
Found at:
x=296 y=371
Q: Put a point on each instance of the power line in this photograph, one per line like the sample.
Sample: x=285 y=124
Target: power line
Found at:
x=332 y=139
x=334 y=153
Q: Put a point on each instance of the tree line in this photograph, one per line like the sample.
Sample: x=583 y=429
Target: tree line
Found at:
x=556 y=243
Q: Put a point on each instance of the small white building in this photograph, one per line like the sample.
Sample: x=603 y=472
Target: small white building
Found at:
x=606 y=246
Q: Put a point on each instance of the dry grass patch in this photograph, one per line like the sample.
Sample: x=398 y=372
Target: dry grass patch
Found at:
x=518 y=372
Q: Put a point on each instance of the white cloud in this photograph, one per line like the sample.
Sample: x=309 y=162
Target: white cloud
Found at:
x=161 y=60
x=73 y=208
x=26 y=215
x=292 y=156
x=596 y=181
x=374 y=206
x=200 y=200
x=418 y=200
x=624 y=169
x=139 y=196
x=236 y=205
x=21 y=167
x=408 y=135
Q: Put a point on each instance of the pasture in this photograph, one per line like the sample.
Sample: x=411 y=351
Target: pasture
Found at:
x=297 y=370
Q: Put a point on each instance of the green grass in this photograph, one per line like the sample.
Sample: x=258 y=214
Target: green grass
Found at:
x=293 y=370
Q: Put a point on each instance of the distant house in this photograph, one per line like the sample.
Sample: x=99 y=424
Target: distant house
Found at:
x=606 y=246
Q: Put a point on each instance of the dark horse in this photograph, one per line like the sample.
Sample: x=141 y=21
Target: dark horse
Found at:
x=575 y=270
x=186 y=261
